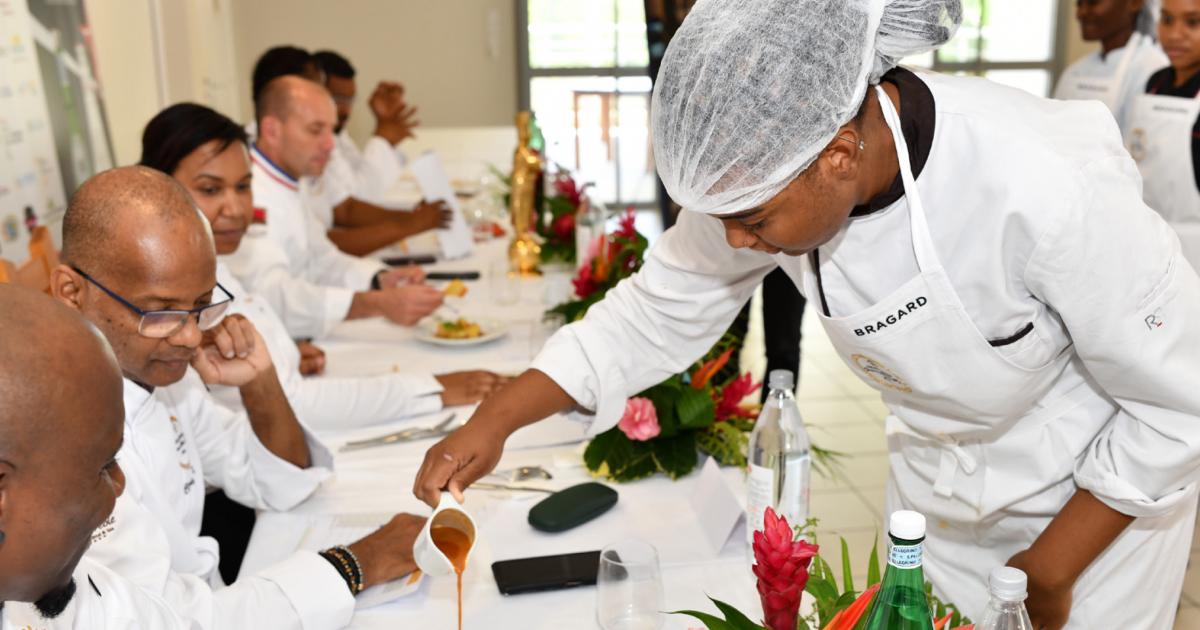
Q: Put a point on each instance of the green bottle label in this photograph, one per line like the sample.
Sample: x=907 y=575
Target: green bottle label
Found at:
x=905 y=556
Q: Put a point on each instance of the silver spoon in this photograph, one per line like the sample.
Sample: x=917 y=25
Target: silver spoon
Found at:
x=523 y=473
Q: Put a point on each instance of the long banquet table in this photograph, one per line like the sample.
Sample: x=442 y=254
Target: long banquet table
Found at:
x=378 y=481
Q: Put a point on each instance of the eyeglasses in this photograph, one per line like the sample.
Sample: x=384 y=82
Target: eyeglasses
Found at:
x=163 y=324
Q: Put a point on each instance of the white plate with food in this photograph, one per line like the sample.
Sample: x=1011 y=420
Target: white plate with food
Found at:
x=460 y=331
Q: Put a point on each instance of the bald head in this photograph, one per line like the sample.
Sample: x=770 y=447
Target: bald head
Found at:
x=61 y=424
x=109 y=213
x=133 y=242
x=296 y=122
x=280 y=96
x=51 y=356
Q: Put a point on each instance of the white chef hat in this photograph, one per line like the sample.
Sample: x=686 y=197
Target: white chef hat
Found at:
x=750 y=91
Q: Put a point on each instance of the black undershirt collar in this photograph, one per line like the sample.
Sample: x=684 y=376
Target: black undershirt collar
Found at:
x=917 y=120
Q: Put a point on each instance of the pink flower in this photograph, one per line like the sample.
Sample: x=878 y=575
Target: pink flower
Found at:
x=640 y=422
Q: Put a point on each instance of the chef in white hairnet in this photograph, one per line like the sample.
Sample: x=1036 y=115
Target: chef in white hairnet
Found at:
x=979 y=256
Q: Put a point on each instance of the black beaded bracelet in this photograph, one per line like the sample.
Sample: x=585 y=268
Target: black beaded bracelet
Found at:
x=345 y=567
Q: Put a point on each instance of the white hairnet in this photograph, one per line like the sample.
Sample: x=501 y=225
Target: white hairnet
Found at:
x=750 y=91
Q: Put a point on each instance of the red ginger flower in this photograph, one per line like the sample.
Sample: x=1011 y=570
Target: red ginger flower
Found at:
x=781 y=565
x=729 y=405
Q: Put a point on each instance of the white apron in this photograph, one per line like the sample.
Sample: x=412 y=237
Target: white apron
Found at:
x=966 y=426
x=1160 y=139
x=1107 y=90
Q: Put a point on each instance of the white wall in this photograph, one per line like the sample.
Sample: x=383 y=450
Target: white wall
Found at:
x=125 y=55
x=456 y=58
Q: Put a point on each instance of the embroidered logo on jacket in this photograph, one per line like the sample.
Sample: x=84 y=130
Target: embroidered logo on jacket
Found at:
x=880 y=373
x=891 y=319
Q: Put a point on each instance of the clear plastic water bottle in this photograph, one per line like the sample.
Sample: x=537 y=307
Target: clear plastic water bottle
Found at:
x=1006 y=611
x=780 y=458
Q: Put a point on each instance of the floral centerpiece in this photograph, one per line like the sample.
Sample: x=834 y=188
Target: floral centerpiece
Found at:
x=559 y=202
x=786 y=565
x=666 y=427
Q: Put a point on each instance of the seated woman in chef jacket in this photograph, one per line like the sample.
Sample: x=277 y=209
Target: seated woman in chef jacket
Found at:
x=207 y=153
x=1115 y=74
x=61 y=425
x=1164 y=127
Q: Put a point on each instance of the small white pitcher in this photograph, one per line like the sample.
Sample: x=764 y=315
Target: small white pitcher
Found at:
x=449 y=513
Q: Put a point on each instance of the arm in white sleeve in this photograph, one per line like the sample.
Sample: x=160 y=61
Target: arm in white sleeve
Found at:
x=308 y=310
x=657 y=322
x=381 y=166
x=1113 y=271
x=152 y=551
x=331 y=265
x=237 y=462
x=345 y=403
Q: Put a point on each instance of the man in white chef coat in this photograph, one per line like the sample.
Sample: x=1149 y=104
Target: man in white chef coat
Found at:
x=356 y=181
x=152 y=291
x=61 y=425
x=292 y=263
x=979 y=256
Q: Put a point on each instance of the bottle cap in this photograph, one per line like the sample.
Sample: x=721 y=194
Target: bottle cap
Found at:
x=907 y=525
x=781 y=379
x=1008 y=584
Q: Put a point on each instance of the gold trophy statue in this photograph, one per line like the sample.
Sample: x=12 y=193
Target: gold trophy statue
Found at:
x=524 y=253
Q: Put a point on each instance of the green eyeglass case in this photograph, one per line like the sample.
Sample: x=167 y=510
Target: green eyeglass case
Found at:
x=572 y=507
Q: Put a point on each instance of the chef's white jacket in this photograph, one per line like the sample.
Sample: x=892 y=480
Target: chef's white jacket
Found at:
x=1088 y=77
x=291 y=262
x=1035 y=210
x=178 y=441
x=365 y=174
x=327 y=402
x=103 y=601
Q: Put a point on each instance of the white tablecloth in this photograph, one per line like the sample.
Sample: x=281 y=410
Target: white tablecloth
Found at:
x=379 y=480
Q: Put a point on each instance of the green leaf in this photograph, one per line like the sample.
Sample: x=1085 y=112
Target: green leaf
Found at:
x=695 y=408
x=873 y=563
x=619 y=458
x=675 y=456
x=725 y=442
x=734 y=616
x=847 y=578
x=802 y=624
x=665 y=397
x=711 y=622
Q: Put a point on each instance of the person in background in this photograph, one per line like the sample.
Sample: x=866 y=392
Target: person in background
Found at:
x=292 y=263
x=139 y=263
x=356 y=181
x=1115 y=74
x=208 y=154
x=1164 y=127
x=348 y=207
x=61 y=425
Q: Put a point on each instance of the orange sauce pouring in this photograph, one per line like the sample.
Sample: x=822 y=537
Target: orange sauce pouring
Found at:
x=455 y=544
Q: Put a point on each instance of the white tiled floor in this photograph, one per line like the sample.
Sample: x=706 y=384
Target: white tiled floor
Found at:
x=844 y=414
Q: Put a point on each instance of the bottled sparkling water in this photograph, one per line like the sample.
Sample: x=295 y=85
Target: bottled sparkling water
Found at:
x=900 y=603
x=780 y=458
x=1007 y=611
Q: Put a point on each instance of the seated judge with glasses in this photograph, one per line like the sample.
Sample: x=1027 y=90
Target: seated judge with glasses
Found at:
x=140 y=265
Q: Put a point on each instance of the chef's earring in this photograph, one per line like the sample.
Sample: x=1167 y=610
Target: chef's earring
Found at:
x=861 y=145
x=1 y=537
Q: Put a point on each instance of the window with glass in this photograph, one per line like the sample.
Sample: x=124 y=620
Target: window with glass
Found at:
x=1013 y=42
x=585 y=77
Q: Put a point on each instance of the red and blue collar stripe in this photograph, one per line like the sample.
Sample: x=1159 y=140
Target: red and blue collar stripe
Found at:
x=272 y=169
